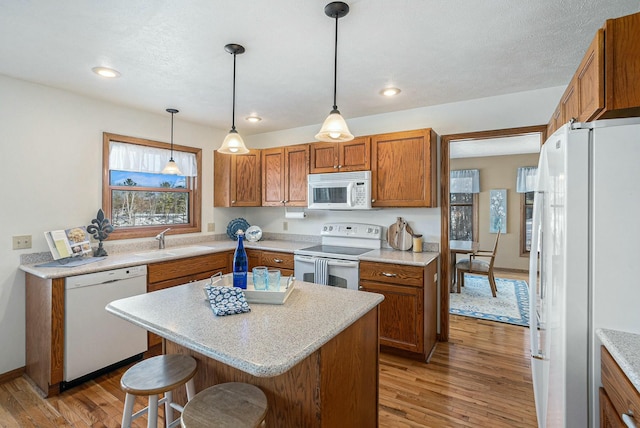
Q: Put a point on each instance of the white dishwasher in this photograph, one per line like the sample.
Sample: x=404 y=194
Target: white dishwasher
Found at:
x=94 y=339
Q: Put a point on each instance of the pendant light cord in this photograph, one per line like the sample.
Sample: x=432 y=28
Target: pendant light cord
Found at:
x=171 y=158
x=335 y=67
x=233 y=114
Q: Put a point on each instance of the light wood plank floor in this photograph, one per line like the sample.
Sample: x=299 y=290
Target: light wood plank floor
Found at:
x=480 y=378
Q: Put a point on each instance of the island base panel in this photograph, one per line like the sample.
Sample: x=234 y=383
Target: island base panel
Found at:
x=336 y=385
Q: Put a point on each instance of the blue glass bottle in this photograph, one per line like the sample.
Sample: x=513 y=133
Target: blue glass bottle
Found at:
x=240 y=263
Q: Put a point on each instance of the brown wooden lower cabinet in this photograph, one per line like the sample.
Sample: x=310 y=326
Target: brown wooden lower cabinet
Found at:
x=335 y=386
x=618 y=397
x=408 y=314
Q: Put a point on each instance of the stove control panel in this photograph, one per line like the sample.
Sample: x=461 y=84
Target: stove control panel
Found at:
x=352 y=230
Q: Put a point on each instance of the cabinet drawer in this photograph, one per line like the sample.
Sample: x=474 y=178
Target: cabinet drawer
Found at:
x=392 y=273
x=171 y=269
x=277 y=260
x=623 y=395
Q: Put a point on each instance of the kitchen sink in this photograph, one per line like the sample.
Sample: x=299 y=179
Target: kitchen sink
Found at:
x=173 y=252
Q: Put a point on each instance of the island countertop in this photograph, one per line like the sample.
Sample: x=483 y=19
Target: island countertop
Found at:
x=265 y=342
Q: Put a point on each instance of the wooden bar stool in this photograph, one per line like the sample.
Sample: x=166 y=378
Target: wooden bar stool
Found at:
x=227 y=405
x=155 y=376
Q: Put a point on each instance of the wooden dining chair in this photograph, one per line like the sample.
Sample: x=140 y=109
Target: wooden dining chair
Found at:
x=484 y=266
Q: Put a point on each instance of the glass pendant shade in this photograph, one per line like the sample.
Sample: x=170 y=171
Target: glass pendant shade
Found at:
x=171 y=168
x=334 y=129
x=233 y=144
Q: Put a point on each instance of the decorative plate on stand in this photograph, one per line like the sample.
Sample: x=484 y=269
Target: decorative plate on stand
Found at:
x=235 y=225
x=253 y=234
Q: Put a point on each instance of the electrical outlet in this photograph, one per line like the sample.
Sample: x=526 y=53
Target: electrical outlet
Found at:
x=285 y=225
x=211 y=227
x=21 y=242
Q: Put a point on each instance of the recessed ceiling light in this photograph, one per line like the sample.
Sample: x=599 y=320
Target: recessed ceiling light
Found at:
x=389 y=92
x=253 y=118
x=106 y=72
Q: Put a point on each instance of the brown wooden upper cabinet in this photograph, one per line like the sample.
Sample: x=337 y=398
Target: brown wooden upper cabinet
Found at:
x=284 y=176
x=354 y=155
x=403 y=171
x=605 y=84
x=236 y=179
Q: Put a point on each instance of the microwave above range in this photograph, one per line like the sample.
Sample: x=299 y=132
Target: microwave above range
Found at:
x=340 y=191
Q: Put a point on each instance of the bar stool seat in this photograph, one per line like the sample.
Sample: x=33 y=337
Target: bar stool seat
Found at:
x=155 y=376
x=227 y=405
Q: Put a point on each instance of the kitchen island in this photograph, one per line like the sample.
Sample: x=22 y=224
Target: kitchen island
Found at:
x=315 y=357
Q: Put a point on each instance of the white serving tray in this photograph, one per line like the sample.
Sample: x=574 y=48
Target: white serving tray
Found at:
x=258 y=296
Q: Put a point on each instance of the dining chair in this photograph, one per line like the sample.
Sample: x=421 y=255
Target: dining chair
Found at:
x=484 y=266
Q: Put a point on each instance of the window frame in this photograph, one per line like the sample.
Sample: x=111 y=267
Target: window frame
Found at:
x=195 y=194
x=475 y=213
x=523 y=224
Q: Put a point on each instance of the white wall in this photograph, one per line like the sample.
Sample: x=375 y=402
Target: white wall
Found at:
x=51 y=143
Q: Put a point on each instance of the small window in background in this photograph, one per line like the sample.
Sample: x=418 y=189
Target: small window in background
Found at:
x=141 y=202
x=463 y=220
x=526 y=221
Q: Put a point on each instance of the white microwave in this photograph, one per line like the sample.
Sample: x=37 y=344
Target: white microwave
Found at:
x=340 y=191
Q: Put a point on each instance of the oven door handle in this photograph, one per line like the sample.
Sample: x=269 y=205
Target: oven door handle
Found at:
x=332 y=262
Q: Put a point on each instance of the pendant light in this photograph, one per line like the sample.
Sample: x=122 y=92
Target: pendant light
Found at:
x=334 y=128
x=172 y=167
x=233 y=143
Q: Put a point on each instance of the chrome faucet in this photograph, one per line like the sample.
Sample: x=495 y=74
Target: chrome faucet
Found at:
x=160 y=238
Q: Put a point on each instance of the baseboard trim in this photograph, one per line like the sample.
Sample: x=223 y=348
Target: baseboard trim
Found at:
x=11 y=375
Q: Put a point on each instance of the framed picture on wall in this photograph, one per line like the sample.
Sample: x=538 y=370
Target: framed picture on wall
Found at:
x=498 y=210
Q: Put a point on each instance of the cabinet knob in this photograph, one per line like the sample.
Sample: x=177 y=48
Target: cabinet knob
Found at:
x=360 y=287
x=285 y=201
x=335 y=167
x=339 y=166
x=278 y=260
x=373 y=200
x=389 y=275
x=233 y=202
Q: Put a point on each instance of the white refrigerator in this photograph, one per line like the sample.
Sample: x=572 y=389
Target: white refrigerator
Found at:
x=584 y=264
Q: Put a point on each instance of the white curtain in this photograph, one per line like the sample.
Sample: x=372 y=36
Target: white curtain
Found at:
x=134 y=157
x=465 y=181
x=526 y=179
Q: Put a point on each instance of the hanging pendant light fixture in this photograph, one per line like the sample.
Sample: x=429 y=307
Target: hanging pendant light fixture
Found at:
x=334 y=128
x=172 y=167
x=233 y=143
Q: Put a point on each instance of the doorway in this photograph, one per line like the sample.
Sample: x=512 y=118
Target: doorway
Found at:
x=446 y=146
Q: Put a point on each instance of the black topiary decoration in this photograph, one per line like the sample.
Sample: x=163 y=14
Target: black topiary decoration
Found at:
x=100 y=227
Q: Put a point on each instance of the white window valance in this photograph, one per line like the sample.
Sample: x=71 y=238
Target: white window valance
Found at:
x=526 y=179
x=465 y=181
x=134 y=157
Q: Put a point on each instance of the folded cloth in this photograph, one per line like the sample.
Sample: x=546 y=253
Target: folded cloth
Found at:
x=226 y=300
x=321 y=271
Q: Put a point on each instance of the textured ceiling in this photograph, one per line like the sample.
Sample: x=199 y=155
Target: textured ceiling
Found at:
x=171 y=53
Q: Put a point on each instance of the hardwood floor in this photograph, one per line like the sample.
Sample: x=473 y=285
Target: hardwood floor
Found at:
x=480 y=378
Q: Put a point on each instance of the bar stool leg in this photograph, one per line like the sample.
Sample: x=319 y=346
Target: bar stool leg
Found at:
x=152 y=414
x=128 y=410
x=168 y=410
x=191 y=389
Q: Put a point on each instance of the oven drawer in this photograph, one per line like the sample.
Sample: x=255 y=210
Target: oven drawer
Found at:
x=392 y=273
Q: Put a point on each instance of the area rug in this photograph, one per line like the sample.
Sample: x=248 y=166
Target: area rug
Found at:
x=475 y=300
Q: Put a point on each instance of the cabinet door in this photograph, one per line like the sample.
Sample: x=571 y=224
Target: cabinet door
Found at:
x=236 y=179
x=273 y=170
x=401 y=314
x=590 y=79
x=323 y=158
x=570 y=102
x=622 y=55
x=608 y=416
x=355 y=155
x=296 y=171
x=403 y=169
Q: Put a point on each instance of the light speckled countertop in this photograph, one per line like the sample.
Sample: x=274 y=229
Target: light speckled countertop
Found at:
x=134 y=258
x=625 y=349
x=265 y=342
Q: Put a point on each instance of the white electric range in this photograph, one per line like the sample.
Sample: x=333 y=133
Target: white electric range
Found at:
x=335 y=261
